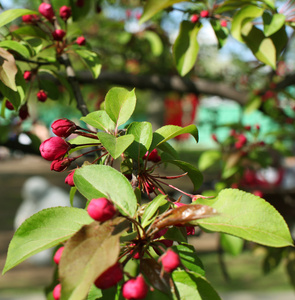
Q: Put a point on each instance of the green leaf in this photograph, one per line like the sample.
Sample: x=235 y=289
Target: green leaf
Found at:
x=91 y=60
x=120 y=104
x=151 y=209
x=17 y=47
x=208 y=159
x=155 y=42
x=153 y=6
x=192 y=286
x=143 y=135
x=81 y=140
x=168 y=150
x=249 y=217
x=80 y=12
x=8 y=69
x=253 y=103
x=193 y=173
x=96 y=181
x=100 y=120
x=31 y=31
x=12 y=14
x=115 y=146
x=272 y=23
x=44 y=230
x=94 y=293
x=168 y=132
x=243 y=16
x=263 y=48
x=186 y=47
x=92 y=250
x=221 y=32
x=231 y=244
x=189 y=258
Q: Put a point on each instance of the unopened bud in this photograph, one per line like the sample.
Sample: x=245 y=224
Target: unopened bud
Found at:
x=81 y=40
x=58 y=255
x=57 y=292
x=65 y=12
x=42 y=96
x=46 y=10
x=58 y=34
x=60 y=165
x=70 y=179
x=63 y=127
x=110 y=277
x=54 y=148
x=170 y=261
x=135 y=288
x=101 y=209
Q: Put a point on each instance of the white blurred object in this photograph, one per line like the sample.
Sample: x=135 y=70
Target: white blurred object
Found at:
x=38 y=194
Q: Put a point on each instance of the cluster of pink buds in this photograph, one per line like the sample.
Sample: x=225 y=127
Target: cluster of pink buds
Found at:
x=46 y=11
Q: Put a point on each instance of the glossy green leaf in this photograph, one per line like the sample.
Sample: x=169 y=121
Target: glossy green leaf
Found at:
x=120 y=104
x=272 y=23
x=8 y=69
x=231 y=244
x=249 y=217
x=263 y=48
x=193 y=173
x=243 y=16
x=154 y=6
x=189 y=258
x=44 y=230
x=186 y=47
x=83 y=141
x=91 y=60
x=94 y=293
x=100 y=119
x=115 y=146
x=151 y=209
x=155 y=42
x=36 y=44
x=96 y=181
x=168 y=150
x=17 y=47
x=12 y=14
x=208 y=159
x=192 y=286
x=92 y=250
x=143 y=135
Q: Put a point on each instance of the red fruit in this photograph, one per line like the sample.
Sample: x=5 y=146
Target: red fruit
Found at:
x=70 y=179
x=9 y=105
x=60 y=165
x=27 y=75
x=54 y=148
x=65 y=12
x=46 y=10
x=42 y=96
x=110 y=277
x=195 y=18
x=135 y=288
x=57 y=292
x=30 y=18
x=170 y=261
x=101 y=209
x=204 y=14
x=81 y=40
x=24 y=112
x=58 y=34
x=223 y=23
x=63 y=127
x=58 y=254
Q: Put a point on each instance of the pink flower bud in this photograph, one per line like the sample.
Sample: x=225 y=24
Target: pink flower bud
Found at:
x=223 y=23
x=195 y=18
x=30 y=18
x=63 y=127
x=81 y=40
x=110 y=277
x=9 y=105
x=65 y=12
x=57 y=292
x=152 y=156
x=42 y=96
x=70 y=179
x=54 y=148
x=58 y=34
x=27 y=75
x=24 y=112
x=58 y=255
x=160 y=233
x=135 y=288
x=170 y=261
x=204 y=14
x=101 y=209
x=46 y=10
x=60 y=165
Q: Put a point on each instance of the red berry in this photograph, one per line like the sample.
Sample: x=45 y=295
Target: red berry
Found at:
x=58 y=34
x=65 y=12
x=60 y=165
x=223 y=23
x=195 y=18
x=101 y=209
x=204 y=14
x=135 y=288
x=63 y=127
x=58 y=255
x=70 y=179
x=57 y=292
x=27 y=75
x=110 y=277
x=9 y=105
x=42 y=96
x=30 y=18
x=170 y=261
x=46 y=10
x=81 y=40
x=54 y=148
